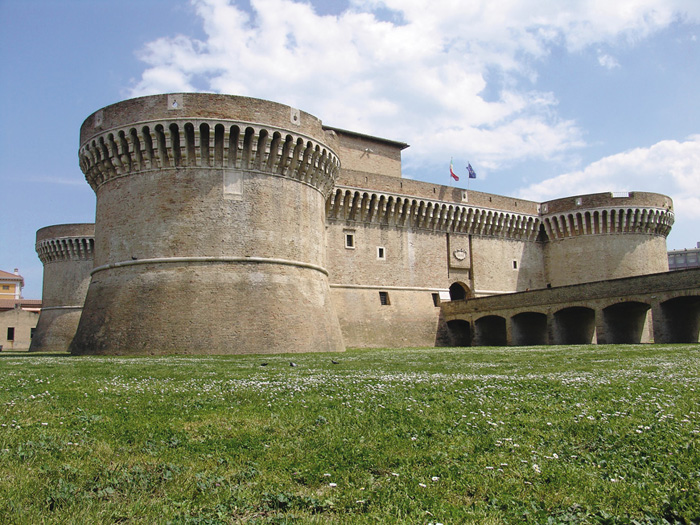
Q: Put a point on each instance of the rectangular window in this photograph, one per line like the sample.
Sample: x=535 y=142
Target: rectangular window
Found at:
x=10 y=333
x=350 y=240
x=384 y=298
x=515 y=265
x=436 y=299
x=381 y=253
x=5 y=286
x=31 y=334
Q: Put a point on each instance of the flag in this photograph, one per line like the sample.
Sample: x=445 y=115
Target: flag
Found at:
x=452 y=172
x=472 y=173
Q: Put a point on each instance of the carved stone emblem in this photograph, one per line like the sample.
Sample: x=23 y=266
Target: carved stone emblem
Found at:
x=460 y=254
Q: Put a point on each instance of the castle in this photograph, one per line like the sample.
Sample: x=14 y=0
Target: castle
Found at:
x=227 y=224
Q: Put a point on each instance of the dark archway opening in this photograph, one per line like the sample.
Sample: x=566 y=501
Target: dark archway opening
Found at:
x=624 y=323
x=529 y=328
x=574 y=326
x=680 y=320
x=457 y=292
x=490 y=331
x=459 y=333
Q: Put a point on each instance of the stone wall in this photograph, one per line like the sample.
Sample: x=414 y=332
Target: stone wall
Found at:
x=605 y=236
x=235 y=225
x=364 y=155
x=21 y=323
x=67 y=253
x=209 y=230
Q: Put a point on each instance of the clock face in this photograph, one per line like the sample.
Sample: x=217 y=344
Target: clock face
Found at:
x=460 y=254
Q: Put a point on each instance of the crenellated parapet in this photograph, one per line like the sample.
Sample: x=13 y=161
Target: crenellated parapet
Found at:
x=65 y=249
x=403 y=211
x=600 y=214
x=191 y=143
x=186 y=141
x=66 y=242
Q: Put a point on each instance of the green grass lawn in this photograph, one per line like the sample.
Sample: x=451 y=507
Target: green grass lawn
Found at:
x=580 y=434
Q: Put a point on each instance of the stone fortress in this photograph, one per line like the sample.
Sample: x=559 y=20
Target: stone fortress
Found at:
x=227 y=224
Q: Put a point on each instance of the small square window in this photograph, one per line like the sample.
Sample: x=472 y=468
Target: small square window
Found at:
x=381 y=252
x=350 y=240
x=384 y=298
x=5 y=286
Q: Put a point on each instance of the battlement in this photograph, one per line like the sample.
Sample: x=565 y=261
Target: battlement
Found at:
x=608 y=213
x=186 y=140
x=65 y=242
x=215 y=144
x=405 y=211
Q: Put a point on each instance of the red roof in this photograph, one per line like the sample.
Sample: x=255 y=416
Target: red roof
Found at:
x=7 y=276
x=9 y=304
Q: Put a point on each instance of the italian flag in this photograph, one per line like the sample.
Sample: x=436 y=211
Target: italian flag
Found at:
x=452 y=172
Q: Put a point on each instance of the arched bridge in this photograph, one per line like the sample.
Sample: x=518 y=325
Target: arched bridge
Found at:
x=660 y=308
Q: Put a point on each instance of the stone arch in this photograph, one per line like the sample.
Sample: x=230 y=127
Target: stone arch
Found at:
x=460 y=291
x=459 y=333
x=574 y=326
x=625 y=323
x=679 y=320
x=490 y=330
x=529 y=328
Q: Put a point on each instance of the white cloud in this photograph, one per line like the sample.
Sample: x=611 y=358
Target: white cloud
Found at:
x=669 y=167
x=607 y=61
x=418 y=76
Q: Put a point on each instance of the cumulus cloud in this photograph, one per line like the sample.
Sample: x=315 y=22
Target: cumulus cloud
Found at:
x=607 y=61
x=669 y=167
x=443 y=76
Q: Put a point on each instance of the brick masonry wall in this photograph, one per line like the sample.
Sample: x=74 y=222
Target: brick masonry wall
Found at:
x=589 y=258
x=208 y=251
x=66 y=252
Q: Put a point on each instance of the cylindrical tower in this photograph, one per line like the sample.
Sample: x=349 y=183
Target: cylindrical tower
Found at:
x=66 y=250
x=210 y=234
x=605 y=236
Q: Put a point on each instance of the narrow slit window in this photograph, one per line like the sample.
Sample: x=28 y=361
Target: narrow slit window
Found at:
x=381 y=253
x=515 y=265
x=350 y=240
x=384 y=298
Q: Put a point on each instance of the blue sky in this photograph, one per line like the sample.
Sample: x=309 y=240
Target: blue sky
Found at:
x=544 y=98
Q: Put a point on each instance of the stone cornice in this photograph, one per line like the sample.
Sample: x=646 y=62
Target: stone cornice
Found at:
x=191 y=142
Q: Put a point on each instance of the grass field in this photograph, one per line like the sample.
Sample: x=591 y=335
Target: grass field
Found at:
x=581 y=434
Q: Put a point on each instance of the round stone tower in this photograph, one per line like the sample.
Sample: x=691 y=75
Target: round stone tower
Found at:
x=210 y=232
x=605 y=236
x=66 y=250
